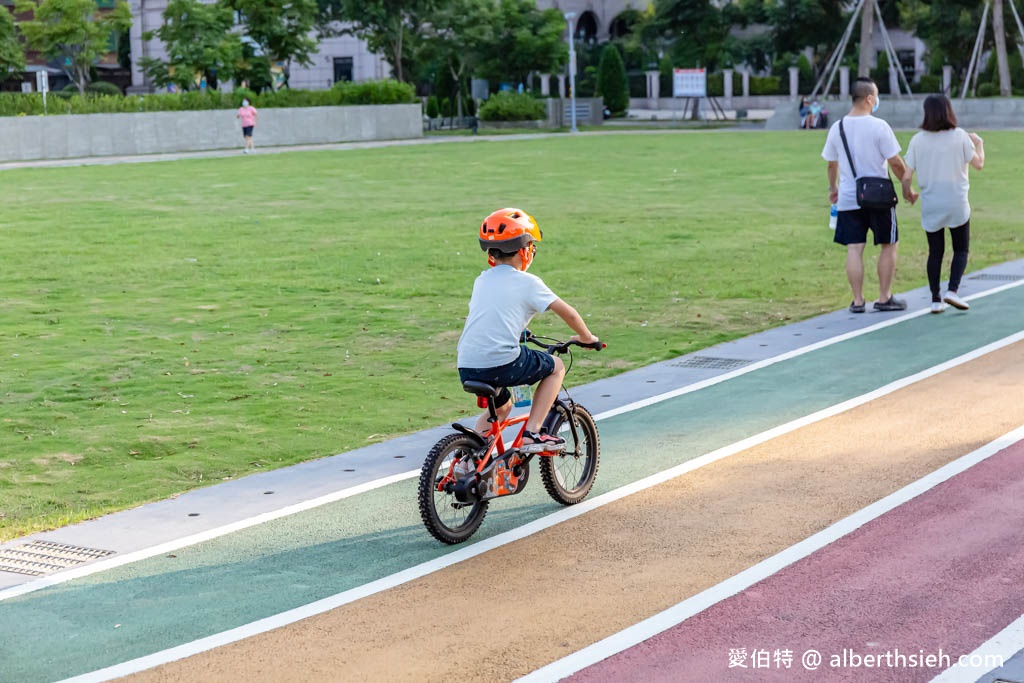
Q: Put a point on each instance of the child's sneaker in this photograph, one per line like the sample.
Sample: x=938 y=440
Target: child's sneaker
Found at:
x=464 y=467
x=541 y=443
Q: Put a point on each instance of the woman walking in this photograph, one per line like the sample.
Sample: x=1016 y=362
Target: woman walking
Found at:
x=248 y=116
x=940 y=154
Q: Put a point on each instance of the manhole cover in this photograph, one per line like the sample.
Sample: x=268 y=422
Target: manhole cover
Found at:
x=712 y=363
x=45 y=557
x=996 y=276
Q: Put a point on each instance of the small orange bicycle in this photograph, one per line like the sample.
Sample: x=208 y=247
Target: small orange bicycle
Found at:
x=465 y=470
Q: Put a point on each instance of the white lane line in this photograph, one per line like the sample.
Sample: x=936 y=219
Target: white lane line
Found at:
x=536 y=526
x=177 y=544
x=682 y=611
x=643 y=403
x=994 y=652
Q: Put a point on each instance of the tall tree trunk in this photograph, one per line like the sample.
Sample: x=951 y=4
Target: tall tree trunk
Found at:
x=867 y=49
x=1001 y=61
x=398 y=51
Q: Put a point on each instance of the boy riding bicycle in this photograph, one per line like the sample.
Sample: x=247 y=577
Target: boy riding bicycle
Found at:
x=505 y=299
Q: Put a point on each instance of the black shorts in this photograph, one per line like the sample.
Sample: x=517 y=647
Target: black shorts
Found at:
x=247 y=131
x=531 y=367
x=852 y=226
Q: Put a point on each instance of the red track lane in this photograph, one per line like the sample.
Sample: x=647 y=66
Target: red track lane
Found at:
x=943 y=571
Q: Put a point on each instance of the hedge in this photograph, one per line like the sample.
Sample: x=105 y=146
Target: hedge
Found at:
x=344 y=93
x=511 y=106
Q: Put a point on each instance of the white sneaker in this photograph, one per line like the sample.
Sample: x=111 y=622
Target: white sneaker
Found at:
x=955 y=301
x=464 y=467
x=938 y=307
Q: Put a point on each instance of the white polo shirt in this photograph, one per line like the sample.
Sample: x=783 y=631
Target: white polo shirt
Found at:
x=503 y=303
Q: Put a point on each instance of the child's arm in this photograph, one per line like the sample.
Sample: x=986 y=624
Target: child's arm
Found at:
x=573 y=320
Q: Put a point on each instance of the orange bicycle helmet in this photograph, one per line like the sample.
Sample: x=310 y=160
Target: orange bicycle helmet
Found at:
x=509 y=230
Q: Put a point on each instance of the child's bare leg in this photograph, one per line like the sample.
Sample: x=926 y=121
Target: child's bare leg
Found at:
x=545 y=395
x=483 y=424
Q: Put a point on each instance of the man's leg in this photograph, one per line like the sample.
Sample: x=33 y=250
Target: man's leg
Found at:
x=483 y=424
x=886 y=270
x=855 y=271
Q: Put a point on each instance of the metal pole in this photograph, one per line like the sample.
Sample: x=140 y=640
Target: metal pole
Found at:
x=569 y=18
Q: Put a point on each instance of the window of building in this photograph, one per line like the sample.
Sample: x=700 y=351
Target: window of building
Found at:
x=342 y=69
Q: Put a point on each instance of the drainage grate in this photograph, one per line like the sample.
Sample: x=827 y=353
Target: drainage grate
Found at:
x=712 y=363
x=996 y=276
x=45 y=557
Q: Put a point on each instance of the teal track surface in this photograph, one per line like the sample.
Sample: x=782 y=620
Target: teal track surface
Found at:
x=155 y=604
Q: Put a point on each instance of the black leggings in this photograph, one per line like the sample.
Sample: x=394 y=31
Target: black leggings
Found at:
x=961 y=239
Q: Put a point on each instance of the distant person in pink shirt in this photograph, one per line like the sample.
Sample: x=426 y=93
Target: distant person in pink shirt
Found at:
x=248 y=115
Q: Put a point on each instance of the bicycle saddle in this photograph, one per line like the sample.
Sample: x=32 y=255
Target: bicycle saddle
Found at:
x=480 y=389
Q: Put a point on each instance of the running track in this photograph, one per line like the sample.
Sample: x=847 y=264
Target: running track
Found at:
x=860 y=499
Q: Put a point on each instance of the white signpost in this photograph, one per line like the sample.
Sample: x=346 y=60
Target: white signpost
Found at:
x=43 y=85
x=693 y=84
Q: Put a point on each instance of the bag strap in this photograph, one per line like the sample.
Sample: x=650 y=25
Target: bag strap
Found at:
x=849 y=157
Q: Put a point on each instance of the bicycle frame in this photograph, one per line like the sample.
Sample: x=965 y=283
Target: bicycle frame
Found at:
x=506 y=480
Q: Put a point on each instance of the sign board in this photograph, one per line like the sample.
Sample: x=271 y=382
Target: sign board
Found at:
x=42 y=81
x=689 y=83
x=26 y=87
x=479 y=88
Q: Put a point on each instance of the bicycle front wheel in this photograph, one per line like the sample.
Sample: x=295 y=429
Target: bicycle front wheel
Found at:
x=448 y=520
x=569 y=475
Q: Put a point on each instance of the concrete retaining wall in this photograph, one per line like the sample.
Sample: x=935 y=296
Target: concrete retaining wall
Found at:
x=905 y=114
x=24 y=138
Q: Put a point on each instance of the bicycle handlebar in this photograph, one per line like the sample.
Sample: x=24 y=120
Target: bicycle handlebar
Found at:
x=561 y=347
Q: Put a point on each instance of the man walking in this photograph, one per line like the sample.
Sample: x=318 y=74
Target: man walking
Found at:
x=872 y=145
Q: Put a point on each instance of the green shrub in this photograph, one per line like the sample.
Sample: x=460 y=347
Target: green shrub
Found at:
x=716 y=84
x=446 y=107
x=988 y=89
x=103 y=88
x=388 y=91
x=928 y=83
x=612 y=85
x=511 y=106
x=68 y=101
x=766 y=85
x=433 y=111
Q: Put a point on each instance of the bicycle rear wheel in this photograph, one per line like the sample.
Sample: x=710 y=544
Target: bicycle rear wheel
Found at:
x=569 y=476
x=448 y=520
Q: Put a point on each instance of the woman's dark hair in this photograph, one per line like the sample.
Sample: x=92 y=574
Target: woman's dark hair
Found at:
x=938 y=114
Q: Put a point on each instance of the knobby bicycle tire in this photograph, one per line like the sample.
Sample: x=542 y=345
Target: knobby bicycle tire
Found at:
x=446 y=519
x=569 y=476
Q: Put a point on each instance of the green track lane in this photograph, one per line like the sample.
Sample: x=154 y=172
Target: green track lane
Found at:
x=155 y=604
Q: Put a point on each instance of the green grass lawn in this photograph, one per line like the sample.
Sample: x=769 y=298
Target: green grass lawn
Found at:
x=170 y=325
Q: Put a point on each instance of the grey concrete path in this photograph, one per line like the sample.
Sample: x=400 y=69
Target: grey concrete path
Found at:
x=208 y=510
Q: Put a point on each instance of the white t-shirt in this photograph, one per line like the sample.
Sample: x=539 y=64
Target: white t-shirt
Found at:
x=871 y=142
x=503 y=303
x=940 y=159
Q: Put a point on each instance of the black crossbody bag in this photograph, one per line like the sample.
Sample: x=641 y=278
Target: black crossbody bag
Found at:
x=872 y=192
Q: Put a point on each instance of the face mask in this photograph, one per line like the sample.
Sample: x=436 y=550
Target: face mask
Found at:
x=245 y=103
x=875 y=108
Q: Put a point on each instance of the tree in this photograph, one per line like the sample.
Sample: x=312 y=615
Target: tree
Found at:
x=692 y=30
x=73 y=31
x=199 y=43
x=12 y=58
x=947 y=27
x=525 y=40
x=389 y=27
x=999 y=31
x=283 y=29
x=456 y=37
x=797 y=24
x=611 y=81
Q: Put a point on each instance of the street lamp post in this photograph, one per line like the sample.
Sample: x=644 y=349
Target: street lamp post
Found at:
x=570 y=17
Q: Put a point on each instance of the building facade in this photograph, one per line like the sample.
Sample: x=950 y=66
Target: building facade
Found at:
x=339 y=58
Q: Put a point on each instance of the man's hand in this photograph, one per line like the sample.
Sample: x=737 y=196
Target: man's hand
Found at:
x=911 y=196
x=833 y=195
x=589 y=339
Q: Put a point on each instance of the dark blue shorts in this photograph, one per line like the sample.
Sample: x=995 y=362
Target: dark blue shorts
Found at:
x=852 y=226
x=531 y=367
x=247 y=131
